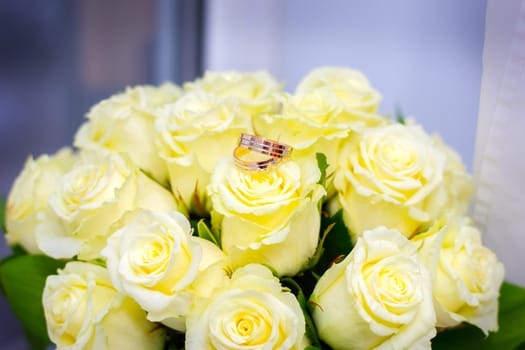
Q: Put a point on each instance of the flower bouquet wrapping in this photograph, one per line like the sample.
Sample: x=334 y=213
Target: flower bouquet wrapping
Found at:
x=229 y=214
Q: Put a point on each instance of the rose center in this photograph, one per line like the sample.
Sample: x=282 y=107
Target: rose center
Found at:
x=483 y=260
x=152 y=252
x=68 y=310
x=151 y=255
x=83 y=181
x=393 y=282
x=245 y=326
x=397 y=155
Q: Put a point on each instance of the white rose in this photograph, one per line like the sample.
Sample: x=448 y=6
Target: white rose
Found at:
x=379 y=296
x=250 y=311
x=467 y=276
x=350 y=86
x=154 y=259
x=253 y=90
x=390 y=175
x=29 y=195
x=125 y=123
x=269 y=217
x=84 y=311
x=192 y=134
x=90 y=198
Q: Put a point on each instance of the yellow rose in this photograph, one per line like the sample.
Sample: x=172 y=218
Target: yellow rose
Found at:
x=125 y=123
x=192 y=134
x=84 y=311
x=314 y=121
x=457 y=184
x=467 y=276
x=350 y=87
x=154 y=259
x=379 y=296
x=269 y=217
x=249 y=311
x=390 y=175
x=91 y=197
x=29 y=195
x=253 y=90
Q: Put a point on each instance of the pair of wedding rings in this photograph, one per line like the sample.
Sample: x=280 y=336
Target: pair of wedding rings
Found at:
x=257 y=153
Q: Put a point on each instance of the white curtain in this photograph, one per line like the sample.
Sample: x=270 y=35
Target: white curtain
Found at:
x=499 y=167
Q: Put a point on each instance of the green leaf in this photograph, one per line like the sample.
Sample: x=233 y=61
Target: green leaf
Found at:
x=511 y=318
x=2 y=214
x=312 y=262
x=322 y=164
x=150 y=176
x=17 y=250
x=311 y=331
x=203 y=231
x=22 y=279
x=400 y=117
x=464 y=338
x=197 y=204
x=336 y=244
x=511 y=334
x=174 y=340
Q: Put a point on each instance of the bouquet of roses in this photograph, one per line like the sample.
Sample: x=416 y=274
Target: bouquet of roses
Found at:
x=228 y=214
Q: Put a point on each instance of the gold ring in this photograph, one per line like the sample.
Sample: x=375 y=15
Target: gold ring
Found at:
x=265 y=146
x=252 y=165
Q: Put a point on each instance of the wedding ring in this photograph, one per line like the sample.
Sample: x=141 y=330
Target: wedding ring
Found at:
x=257 y=153
x=261 y=165
x=265 y=146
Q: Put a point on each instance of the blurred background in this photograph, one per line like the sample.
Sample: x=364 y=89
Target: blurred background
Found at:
x=59 y=57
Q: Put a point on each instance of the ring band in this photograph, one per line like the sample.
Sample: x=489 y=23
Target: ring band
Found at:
x=265 y=146
x=252 y=165
x=252 y=143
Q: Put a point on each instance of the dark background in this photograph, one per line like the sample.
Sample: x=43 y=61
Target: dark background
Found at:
x=59 y=57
